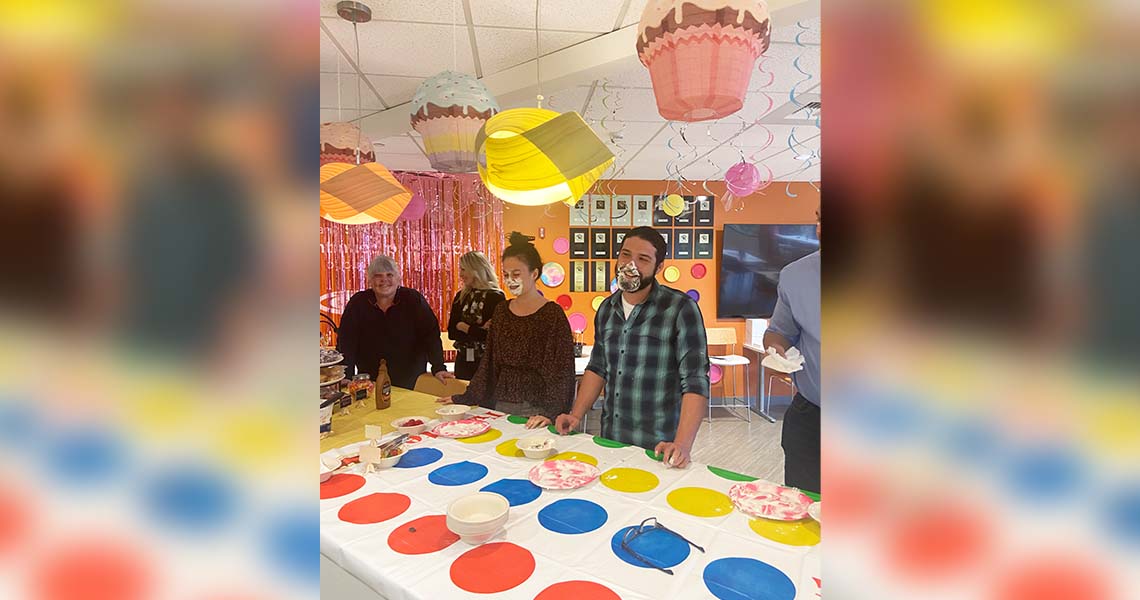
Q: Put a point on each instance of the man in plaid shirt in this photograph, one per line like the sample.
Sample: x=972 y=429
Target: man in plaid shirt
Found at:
x=650 y=348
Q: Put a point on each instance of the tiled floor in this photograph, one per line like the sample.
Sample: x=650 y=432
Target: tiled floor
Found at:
x=734 y=444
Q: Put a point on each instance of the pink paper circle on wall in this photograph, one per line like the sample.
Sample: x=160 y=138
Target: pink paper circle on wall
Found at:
x=715 y=374
x=561 y=245
x=695 y=295
x=577 y=322
x=699 y=271
x=565 y=301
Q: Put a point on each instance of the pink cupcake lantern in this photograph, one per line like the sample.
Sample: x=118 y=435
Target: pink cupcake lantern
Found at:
x=700 y=54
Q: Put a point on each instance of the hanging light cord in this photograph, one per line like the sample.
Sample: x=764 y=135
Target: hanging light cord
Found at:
x=537 y=53
x=359 y=76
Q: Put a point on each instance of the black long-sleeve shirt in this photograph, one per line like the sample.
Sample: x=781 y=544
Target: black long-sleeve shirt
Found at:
x=406 y=335
x=475 y=310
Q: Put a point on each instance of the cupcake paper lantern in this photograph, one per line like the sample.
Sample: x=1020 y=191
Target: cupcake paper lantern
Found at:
x=340 y=141
x=700 y=54
x=534 y=156
x=448 y=110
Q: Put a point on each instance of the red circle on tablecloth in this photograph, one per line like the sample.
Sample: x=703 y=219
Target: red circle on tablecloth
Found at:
x=1055 y=578
x=938 y=541
x=92 y=570
x=341 y=484
x=565 y=301
x=576 y=590
x=15 y=521
x=699 y=271
x=374 y=508
x=492 y=568
x=422 y=536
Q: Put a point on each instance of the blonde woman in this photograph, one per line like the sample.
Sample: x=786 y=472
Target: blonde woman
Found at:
x=471 y=312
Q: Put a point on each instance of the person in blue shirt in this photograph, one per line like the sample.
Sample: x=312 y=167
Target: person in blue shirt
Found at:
x=796 y=322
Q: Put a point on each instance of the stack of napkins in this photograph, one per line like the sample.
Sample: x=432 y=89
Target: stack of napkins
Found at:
x=791 y=362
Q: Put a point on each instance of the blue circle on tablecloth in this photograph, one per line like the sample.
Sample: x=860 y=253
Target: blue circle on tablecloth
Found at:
x=659 y=547
x=19 y=423
x=1045 y=473
x=292 y=542
x=418 y=457
x=86 y=456
x=190 y=498
x=460 y=473
x=971 y=441
x=747 y=579
x=1122 y=514
x=516 y=491
x=571 y=516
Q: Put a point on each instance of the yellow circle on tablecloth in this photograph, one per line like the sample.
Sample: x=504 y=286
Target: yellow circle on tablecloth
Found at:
x=699 y=502
x=509 y=448
x=634 y=481
x=486 y=436
x=578 y=456
x=597 y=301
x=672 y=274
x=804 y=532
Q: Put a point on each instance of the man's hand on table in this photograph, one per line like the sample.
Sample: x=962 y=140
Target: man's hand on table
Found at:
x=565 y=423
x=444 y=400
x=537 y=421
x=673 y=454
x=443 y=376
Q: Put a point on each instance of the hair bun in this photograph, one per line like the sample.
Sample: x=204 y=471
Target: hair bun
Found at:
x=518 y=239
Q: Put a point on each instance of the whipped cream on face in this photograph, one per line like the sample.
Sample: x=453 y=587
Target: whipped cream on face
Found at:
x=629 y=278
x=514 y=286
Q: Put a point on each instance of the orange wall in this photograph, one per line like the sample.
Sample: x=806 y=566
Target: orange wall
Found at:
x=772 y=205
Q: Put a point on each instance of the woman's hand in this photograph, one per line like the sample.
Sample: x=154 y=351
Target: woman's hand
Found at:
x=462 y=326
x=537 y=421
x=444 y=400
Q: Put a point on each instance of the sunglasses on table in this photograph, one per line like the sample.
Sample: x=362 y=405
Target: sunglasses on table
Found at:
x=650 y=524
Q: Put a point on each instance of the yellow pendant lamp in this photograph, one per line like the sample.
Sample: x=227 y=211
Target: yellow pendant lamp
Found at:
x=359 y=194
x=534 y=156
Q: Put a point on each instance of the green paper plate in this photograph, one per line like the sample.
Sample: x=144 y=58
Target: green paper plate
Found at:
x=731 y=475
x=655 y=456
x=601 y=441
x=555 y=431
x=517 y=419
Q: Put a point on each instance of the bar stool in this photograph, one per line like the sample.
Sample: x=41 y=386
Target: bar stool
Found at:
x=726 y=336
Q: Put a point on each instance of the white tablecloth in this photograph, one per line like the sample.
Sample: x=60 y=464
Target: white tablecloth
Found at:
x=363 y=550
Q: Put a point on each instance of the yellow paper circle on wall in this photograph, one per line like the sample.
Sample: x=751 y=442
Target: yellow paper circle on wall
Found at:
x=673 y=205
x=597 y=301
x=672 y=274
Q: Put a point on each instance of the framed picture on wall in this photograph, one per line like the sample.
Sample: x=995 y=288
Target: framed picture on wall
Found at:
x=643 y=211
x=599 y=210
x=618 y=236
x=682 y=243
x=578 y=279
x=579 y=243
x=685 y=219
x=599 y=243
x=601 y=280
x=660 y=219
x=580 y=213
x=621 y=211
x=667 y=234
x=703 y=211
x=703 y=243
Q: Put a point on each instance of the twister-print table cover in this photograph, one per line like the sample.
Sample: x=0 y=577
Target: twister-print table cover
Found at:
x=388 y=528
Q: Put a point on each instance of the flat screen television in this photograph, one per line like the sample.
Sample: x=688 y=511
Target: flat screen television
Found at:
x=750 y=262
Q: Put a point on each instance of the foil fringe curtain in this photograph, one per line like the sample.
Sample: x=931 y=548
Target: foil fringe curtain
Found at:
x=461 y=215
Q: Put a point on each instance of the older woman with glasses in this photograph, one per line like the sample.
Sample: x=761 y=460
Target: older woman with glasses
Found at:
x=393 y=323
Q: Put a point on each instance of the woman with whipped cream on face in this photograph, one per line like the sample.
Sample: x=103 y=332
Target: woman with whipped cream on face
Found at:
x=528 y=365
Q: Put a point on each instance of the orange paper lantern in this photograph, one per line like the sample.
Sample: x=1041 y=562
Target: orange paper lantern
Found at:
x=359 y=194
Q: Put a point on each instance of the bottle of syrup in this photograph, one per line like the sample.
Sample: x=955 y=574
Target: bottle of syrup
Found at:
x=383 y=387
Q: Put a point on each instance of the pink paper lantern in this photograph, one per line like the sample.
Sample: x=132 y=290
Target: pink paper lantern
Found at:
x=415 y=209
x=742 y=179
x=700 y=54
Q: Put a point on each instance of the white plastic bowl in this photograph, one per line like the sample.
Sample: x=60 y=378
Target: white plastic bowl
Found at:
x=413 y=429
x=531 y=446
x=452 y=412
x=476 y=518
x=391 y=461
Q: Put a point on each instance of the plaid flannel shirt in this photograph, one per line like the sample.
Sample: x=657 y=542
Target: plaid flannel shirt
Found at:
x=648 y=362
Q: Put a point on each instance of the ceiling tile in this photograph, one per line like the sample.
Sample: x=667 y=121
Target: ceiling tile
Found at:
x=407 y=49
x=330 y=56
x=501 y=49
x=566 y=100
x=576 y=15
x=403 y=162
x=787 y=33
x=347 y=97
x=398 y=144
x=331 y=114
x=636 y=7
x=552 y=41
x=395 y=90
x=503 y=14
